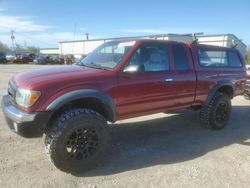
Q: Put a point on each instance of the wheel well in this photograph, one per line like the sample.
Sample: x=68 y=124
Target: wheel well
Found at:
x=228 y=90
x=91 y=103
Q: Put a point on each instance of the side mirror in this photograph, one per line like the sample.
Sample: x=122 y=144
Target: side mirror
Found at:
x=133 y=69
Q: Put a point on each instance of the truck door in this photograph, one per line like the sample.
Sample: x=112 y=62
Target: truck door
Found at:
x=184 y=77
x=151 y=89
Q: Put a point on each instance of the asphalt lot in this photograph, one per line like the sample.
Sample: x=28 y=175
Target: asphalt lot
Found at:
x=152 y=151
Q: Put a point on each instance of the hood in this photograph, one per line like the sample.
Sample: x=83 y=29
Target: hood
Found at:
x=55 y=75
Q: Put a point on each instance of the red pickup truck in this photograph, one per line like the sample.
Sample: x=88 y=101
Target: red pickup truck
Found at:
x=71 y=105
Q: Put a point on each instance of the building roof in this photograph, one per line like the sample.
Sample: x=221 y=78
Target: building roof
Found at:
x=49 y=48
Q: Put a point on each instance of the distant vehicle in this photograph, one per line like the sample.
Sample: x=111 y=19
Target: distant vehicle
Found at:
x=248 y=72
x=69 y=59
x=48 y=59
x=247 y=91
x=24 y=58
x=10 y=57
x=41 y=60
x=84 y=55
x=56 y=59
x=248 y=67
x=3 y=58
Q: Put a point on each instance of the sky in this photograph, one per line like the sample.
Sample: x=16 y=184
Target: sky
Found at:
x=43 y=23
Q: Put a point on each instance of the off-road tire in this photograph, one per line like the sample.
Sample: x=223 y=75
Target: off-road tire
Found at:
x=216 y=113
x=76 y=140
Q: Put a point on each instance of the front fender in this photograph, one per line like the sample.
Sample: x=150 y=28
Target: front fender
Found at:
x=85 y=93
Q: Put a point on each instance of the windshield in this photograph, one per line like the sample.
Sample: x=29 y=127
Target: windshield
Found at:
x=108 y=55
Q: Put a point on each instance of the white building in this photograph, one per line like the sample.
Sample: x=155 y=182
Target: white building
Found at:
x=227 y=40
x=83 y=47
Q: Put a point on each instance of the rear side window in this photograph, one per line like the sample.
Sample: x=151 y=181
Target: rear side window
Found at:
x=234 y=59
x=212 y=58
x=219 y=58
x=180 y=58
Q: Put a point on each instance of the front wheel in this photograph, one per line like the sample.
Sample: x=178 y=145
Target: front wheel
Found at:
x=217 y=112
x=76 y=140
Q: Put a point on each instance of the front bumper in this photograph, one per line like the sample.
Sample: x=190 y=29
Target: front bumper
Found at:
x=28 y=125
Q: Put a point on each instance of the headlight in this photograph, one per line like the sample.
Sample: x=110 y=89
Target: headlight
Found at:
x=26 y=98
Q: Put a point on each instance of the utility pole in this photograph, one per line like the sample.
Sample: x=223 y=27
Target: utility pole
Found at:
x=73 y=48
x=12 y=39
x=87 y=36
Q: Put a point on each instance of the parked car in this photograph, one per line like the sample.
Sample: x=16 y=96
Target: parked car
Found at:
x=248 y=72
x=247 y=91
x=56 y=59
x=71 y=105
x=10 y=57
x=42 y=59
x=3 y=58
x=24 y=58
x=69 y=59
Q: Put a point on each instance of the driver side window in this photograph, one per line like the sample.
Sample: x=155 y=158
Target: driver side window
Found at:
x=152 y=58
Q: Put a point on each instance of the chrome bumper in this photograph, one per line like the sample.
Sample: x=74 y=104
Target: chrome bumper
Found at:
x=13 y=113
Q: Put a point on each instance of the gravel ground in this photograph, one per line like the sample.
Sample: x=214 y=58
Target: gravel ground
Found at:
x=161 y=150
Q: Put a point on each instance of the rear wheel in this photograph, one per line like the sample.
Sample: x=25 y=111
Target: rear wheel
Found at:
x=216 y=114
x=76 y=140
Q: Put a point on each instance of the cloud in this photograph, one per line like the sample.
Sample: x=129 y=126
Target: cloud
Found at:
x=28 y=32
x=20 y=24
x=41 y=39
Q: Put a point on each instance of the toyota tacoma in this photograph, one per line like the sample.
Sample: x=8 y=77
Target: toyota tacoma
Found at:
x=71 y=105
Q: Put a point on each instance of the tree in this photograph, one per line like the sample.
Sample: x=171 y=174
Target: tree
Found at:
x=33 y=49
x=248 y=55
x=4 y=47
x=19 y=48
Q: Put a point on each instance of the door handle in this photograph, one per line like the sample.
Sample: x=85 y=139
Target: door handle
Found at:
x=169 y=80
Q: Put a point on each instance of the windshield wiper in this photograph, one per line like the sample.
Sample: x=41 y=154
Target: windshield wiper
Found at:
x=95 y=65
